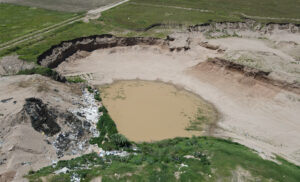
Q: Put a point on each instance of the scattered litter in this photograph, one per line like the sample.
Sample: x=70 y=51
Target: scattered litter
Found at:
x=6 y=100
x=189 y=157
x=62 y=170
x=75 y=177
x=54 y=163
x=183 y=165
x=25 y=163
x=113 y=152
x=89 y=110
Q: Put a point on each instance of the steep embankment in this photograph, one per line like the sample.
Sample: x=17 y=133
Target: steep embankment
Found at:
x=247 y=25
x=58 y=53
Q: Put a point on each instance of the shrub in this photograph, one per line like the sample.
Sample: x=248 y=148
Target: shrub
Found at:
x=31 y=172
x=75 y=79
x=102 y=109
x=107 y=124
x=120 y=140
x=90 y=89
x=109 y=138
x=37 y=70
x=97 y=97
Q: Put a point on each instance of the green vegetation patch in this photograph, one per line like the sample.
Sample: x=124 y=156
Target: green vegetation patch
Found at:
x=38 y=70
x=179 y=159
x=17 y=21
x=135 y=16
x=64 y=5
x=266 y=8
x=109 y=137
x=200 y=119
x=32 y=49
x=75 y=79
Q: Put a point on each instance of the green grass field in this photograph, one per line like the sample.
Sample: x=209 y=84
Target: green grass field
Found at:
x=63 y=5
x=32 y=49
x=194 y=159
x=17 y=21
x=133 y=17
x=267 y=8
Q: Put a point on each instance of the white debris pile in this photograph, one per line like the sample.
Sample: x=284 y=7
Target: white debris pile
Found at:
x=103 y=153
x=89 y=110
x=182 y=165
x=75 y=177
x=63 y=170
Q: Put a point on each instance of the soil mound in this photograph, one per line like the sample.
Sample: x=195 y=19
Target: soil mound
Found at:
x=42 y=119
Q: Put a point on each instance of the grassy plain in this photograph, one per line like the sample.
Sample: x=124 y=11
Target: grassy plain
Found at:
x=179 y=159
x=17 y=21
x=266 y=8
x=135 y=16
x=63 y=5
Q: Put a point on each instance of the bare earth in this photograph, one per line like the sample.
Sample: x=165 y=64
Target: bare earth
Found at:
x=254 y=113
x=22 y=148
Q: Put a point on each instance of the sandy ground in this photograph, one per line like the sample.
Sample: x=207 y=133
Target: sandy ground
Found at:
x=253 y=113
x=281 y=58
x=141 y=108
x=10 y=65
x=21 y=147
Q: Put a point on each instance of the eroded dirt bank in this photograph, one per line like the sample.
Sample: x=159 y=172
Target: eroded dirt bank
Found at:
x=254 y=112
x=58 y=53
x=248 y=25
x=272 y=49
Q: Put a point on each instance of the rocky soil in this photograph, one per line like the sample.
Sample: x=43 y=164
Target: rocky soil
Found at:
x=10 y=65
x=42 y=121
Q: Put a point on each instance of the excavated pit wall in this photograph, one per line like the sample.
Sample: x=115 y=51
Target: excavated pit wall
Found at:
x=247 y=25
x=254 y=73
x=58 y=53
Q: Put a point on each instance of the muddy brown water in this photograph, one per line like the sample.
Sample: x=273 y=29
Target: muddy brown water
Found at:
x=151 y=111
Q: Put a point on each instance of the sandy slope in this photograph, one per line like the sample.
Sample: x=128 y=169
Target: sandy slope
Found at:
x=21 y=147
x=254 y=113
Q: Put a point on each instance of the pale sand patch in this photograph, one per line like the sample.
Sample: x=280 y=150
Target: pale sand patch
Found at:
x=151 y=111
